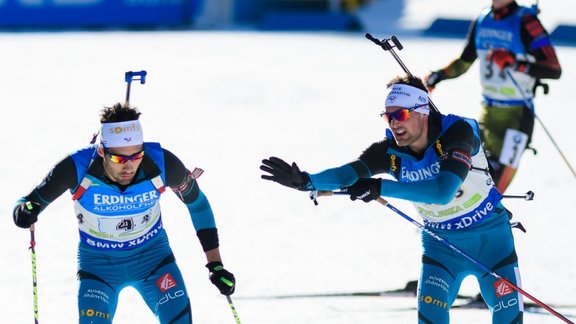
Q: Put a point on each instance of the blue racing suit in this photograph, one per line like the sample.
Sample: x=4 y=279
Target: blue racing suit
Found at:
x=122 y=240
x=452 y=190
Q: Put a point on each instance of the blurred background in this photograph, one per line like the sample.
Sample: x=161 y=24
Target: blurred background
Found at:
x=422 y=17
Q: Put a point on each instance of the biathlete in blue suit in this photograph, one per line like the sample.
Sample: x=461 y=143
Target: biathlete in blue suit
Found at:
x=116 y=188
x=440 y=167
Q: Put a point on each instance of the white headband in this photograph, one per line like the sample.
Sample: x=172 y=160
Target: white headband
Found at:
x=406 y=96
x=121 y=134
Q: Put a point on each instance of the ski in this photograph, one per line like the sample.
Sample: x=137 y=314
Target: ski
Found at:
x=478 y=303
x=408 y=291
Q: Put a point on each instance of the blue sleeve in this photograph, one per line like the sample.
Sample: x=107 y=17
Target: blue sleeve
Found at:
x=336 y=178
x=201 y=212
x=439 y=190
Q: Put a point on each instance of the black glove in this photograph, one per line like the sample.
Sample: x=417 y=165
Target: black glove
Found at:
x=432 y=79
x=221 y=278
x=365 y=189
x=26 y=213
x=286 y=175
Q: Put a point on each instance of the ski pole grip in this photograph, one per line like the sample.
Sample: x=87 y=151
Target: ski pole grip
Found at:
x=326 y=193
x=131 y=75
x=382 y=201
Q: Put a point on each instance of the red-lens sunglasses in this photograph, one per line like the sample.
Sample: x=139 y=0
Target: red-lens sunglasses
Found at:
x=121 y=159
x=400 y=114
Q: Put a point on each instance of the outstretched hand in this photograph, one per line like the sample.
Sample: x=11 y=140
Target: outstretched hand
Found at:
x=285 y=174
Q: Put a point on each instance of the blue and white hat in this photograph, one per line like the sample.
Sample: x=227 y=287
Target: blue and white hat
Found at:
x=120 y=134
x=407 y=96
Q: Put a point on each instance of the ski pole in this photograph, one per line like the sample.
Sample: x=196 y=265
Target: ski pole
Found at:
x=128 y=77
x=34 y=279
x=528 y=196
x=385 y=44
x=384 y=202
x=233 y=309
x=531 y=108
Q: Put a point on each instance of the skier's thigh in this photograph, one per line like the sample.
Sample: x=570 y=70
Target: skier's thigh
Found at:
x=166 y=295
x=96 y=302
x=437 y=290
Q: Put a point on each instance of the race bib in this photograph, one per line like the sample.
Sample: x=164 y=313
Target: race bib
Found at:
x=514 y=144
x=117 y=228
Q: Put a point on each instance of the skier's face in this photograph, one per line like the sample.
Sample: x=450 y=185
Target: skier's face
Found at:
x=410 y=132
x=497 y=4
x=121 y=163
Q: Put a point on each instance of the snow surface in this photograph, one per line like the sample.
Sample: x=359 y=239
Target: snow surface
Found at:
x=222 y=101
